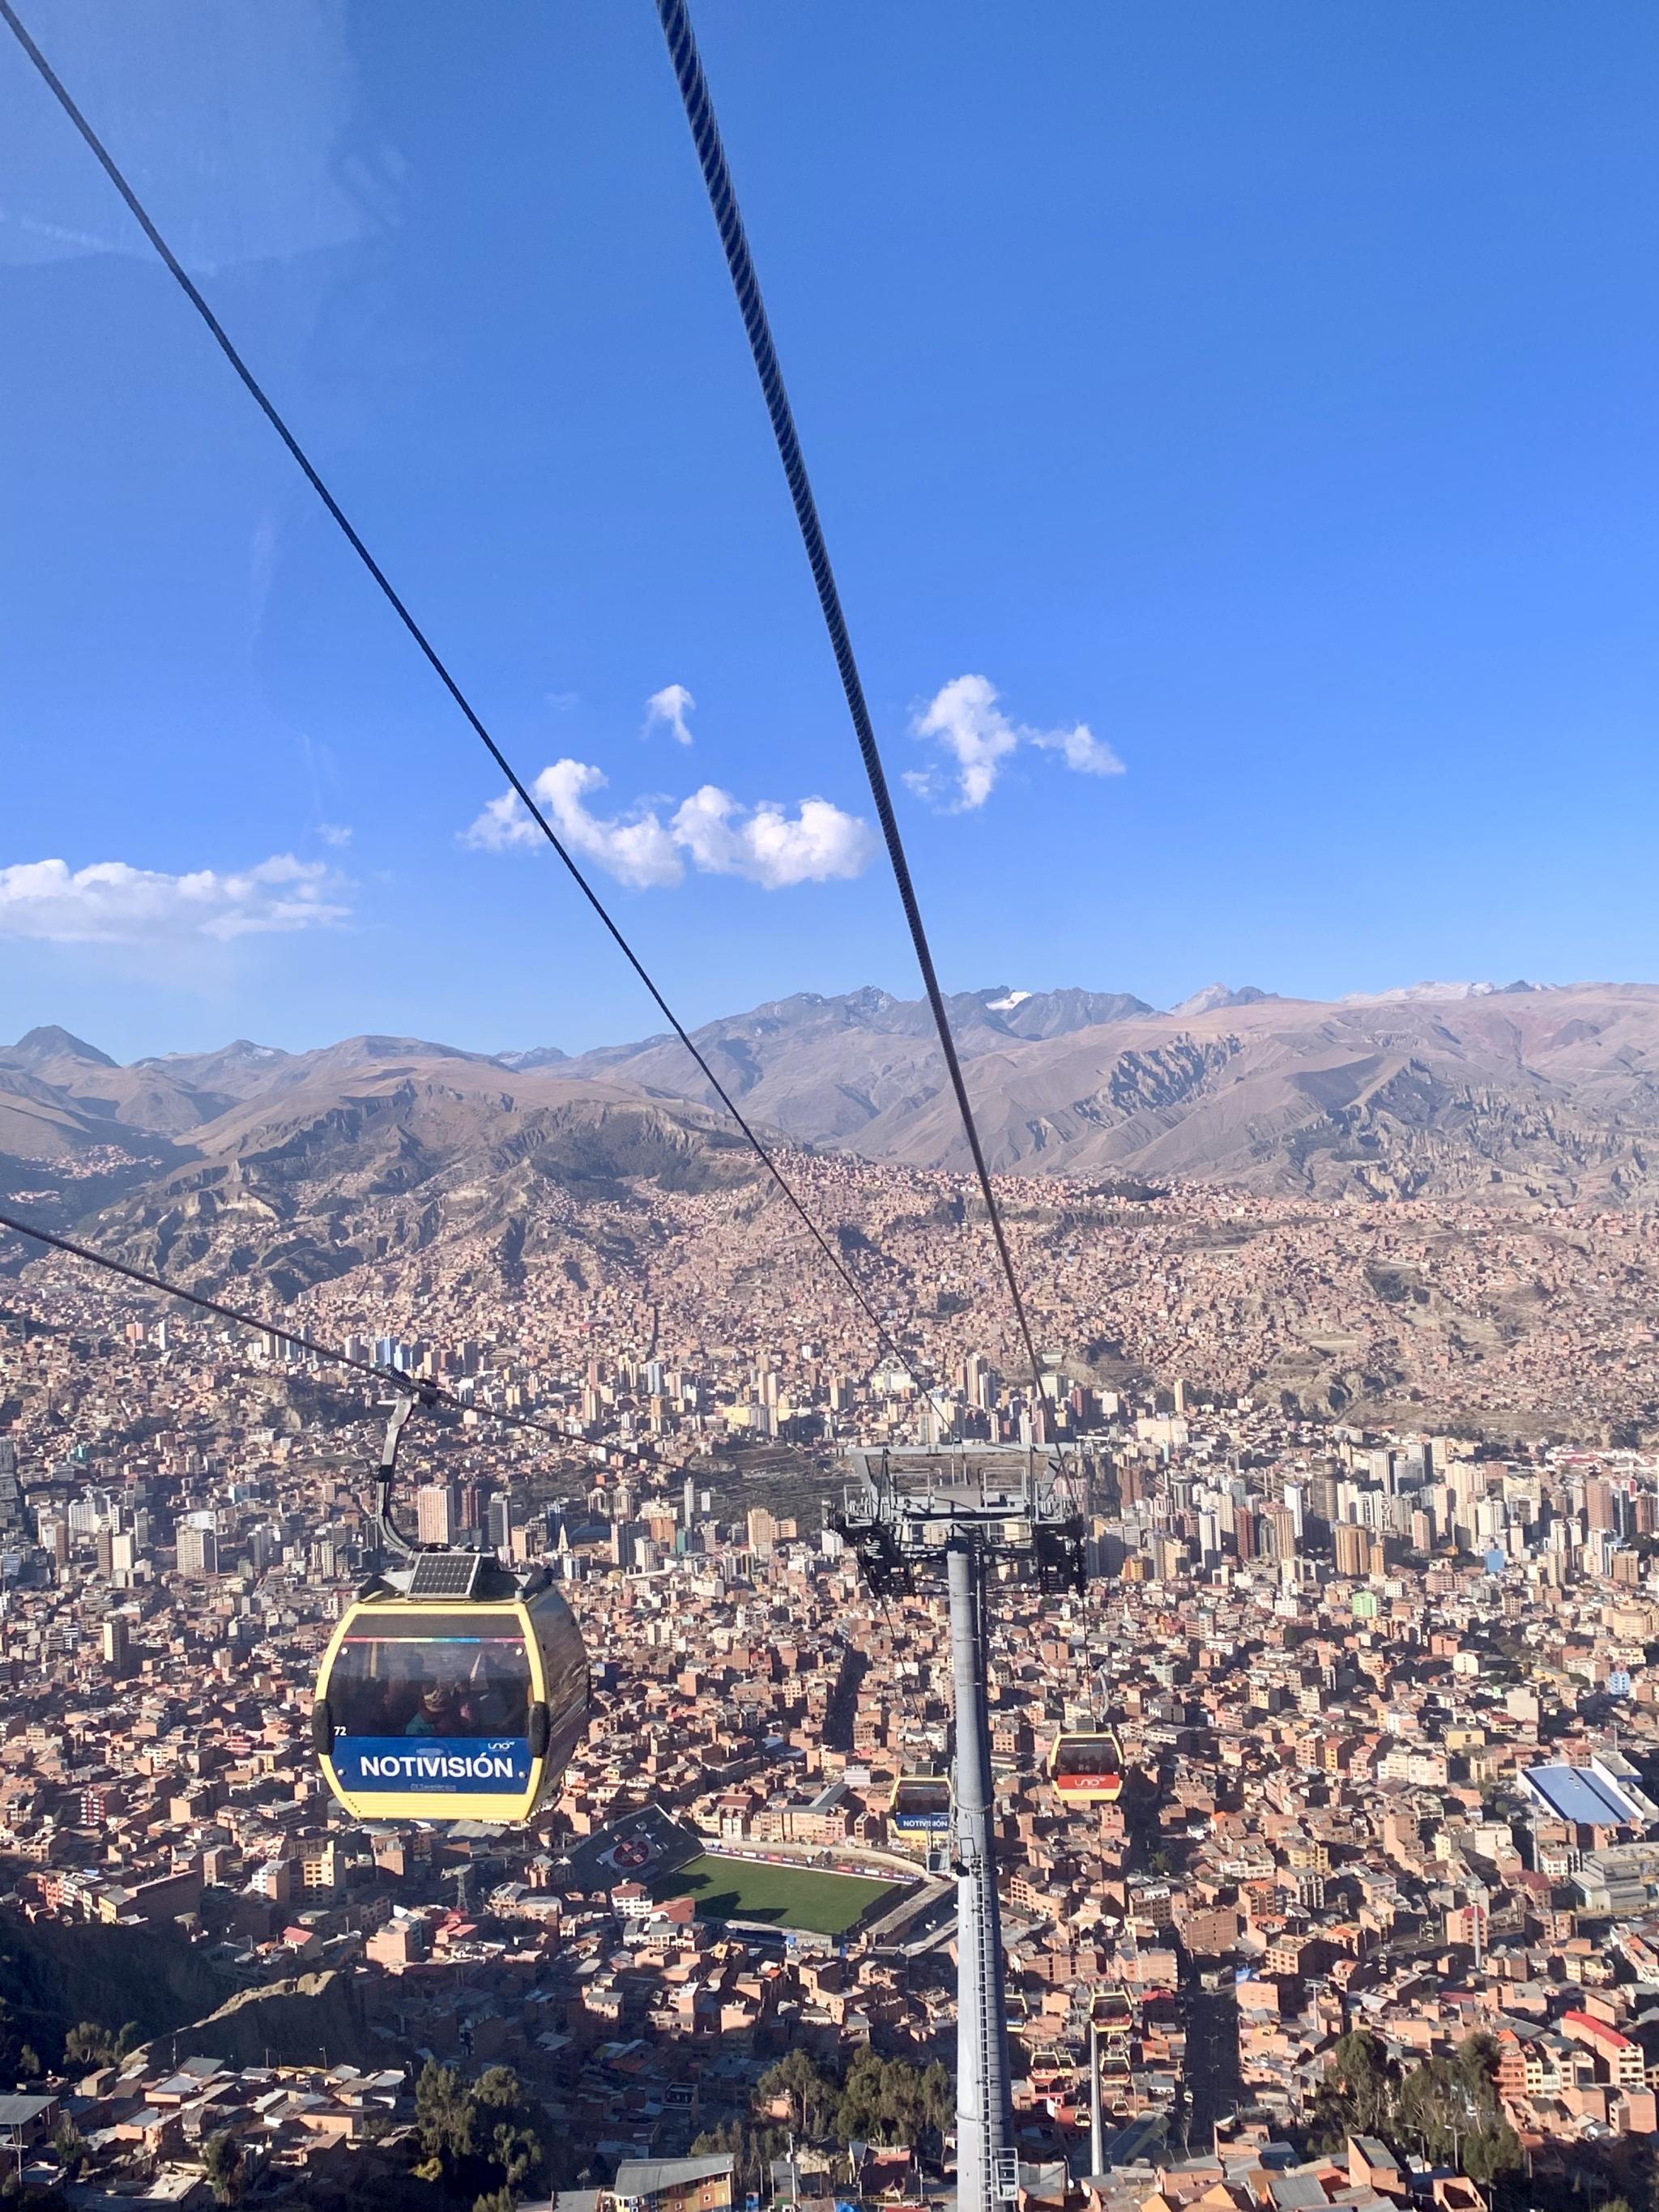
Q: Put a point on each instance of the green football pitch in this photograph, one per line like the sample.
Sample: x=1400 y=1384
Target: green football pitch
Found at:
x=787 y=1896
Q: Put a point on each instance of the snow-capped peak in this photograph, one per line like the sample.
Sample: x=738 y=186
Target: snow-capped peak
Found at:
x=1428 y=990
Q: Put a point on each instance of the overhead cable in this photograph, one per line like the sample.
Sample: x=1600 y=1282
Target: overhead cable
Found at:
x=723 y=200
x=267 y=407
x=432 y=1393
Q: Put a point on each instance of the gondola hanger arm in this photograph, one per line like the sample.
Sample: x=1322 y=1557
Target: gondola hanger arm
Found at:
x=409 y=1395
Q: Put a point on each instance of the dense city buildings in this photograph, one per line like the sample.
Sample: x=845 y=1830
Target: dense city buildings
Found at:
x=1382 y=1690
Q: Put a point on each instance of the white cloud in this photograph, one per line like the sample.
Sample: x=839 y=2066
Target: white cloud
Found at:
x=763 y=844
x=966 y=720
x=112 y=903
x=670 y=707
x=337 y=834
x=768 y=847
x=965 y=717
x=502 y=823
x=1082 y=749
x=637 y=851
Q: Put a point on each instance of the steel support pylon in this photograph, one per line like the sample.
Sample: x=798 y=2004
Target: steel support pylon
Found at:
x=983 y=2128
x=909 y=1511
x=1097 y=2118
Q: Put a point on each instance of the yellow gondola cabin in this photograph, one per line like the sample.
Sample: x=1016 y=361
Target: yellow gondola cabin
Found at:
x=451 y=1690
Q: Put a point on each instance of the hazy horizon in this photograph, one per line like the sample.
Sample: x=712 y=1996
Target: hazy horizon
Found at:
x=1425 y=987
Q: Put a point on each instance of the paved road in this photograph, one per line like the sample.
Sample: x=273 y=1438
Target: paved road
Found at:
x=1212 y=2082
x=839 y=1714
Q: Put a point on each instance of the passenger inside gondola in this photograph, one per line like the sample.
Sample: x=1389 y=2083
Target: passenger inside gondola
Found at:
x=496 y=1698
x=1083 y=1755
x=439 y=1713
x=405 y=1680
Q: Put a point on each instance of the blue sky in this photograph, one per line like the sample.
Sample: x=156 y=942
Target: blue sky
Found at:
x=1257 y=401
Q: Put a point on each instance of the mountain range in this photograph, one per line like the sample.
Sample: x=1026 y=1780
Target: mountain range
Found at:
x=1518 y=1092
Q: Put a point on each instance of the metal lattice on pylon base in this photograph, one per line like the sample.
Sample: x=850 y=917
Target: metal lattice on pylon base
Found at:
x=966 y=1510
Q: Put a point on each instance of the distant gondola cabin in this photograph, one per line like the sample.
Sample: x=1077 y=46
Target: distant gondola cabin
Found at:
x=921 y=1804
x=1087 y=1769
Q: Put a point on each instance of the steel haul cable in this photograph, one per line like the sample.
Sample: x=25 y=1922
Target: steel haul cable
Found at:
x=302 y=460
x=430 y=1392
x=723 y=200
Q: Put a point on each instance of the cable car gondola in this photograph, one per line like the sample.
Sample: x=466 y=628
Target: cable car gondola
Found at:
x=456 y=1704
x=1087 y=1769
x=1111 y=2010
x=451 y=1690
x=921 y=1804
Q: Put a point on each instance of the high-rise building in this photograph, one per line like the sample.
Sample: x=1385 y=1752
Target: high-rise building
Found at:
x=435 y=1513
x=978 y=1382
x=1469 y=1487
x=11 y=1491
x=1168 y=1559
x=1353 y=1550
x=622 y=1535
x=1280 y=1521
x=199 y=1552
x=500 y=1531
x=117 y=1644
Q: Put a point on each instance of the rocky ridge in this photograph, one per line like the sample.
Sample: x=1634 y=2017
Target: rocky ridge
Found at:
x=1517 y=1094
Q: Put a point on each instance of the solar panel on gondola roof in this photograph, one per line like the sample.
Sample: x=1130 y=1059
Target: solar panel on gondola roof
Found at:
x=445 y=1574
